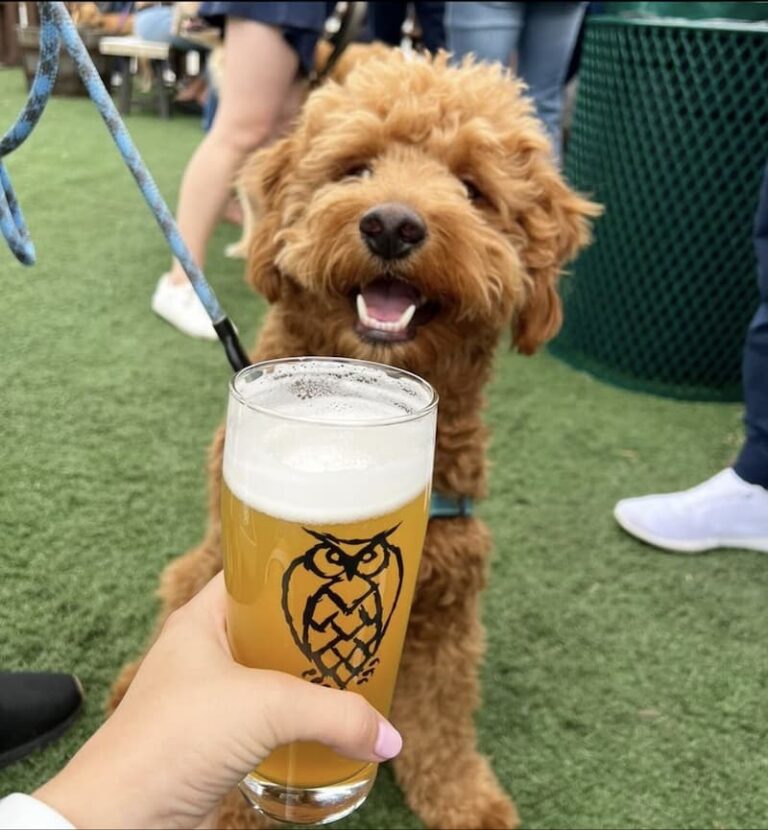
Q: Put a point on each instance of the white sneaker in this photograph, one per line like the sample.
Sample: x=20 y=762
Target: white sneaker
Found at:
x=180 y=306
x=237 y=250
x=723 y=512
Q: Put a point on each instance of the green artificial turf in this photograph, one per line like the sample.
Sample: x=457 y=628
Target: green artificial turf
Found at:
x=623 y=687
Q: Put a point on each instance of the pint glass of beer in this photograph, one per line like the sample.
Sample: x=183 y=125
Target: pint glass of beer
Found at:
x=324 y=507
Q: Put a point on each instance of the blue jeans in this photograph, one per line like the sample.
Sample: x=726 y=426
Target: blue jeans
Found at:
x=154 y=23
x=752 y=464
x=541 y=34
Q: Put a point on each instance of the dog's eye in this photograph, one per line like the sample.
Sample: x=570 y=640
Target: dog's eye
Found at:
x=358 y=171
x=474 y=193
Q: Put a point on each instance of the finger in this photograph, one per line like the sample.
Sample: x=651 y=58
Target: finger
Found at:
x=211 y=600
x=213 y=595
x=206 y=608
x=300 y=711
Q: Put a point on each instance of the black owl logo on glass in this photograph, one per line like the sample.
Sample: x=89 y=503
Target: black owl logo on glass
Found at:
x=344 y=619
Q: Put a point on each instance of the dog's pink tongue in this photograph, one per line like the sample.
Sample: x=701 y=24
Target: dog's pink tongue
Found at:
x=386 y=300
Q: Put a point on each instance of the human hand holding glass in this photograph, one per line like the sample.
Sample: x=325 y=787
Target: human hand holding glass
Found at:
x=194 y=722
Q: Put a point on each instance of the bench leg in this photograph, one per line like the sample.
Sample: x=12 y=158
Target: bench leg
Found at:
x=126 y=89
x=163 y=96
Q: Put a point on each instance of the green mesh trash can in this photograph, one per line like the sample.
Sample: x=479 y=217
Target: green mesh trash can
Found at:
x=670 y=133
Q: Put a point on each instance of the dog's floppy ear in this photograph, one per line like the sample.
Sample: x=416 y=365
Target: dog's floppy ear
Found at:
x=263 y=179
x=557 y=228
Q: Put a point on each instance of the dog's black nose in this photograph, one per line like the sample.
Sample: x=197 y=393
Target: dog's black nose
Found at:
x=392 y=230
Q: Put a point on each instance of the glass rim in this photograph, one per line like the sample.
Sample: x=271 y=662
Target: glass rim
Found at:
x=336 y=422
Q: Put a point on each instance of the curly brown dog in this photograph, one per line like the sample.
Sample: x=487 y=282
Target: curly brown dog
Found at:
x=413 y=184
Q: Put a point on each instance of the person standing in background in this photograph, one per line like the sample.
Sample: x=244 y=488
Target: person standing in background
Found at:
x=268 y=54
x=537 y=39
x=729 y=510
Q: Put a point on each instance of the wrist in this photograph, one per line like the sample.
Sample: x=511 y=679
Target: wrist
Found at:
x=103 y=786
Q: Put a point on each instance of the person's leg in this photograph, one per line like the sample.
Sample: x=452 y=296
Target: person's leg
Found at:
x=729 y=510
x=290 y=109
x=488 y=30
x=239 y=210
x=752 y=464
x=153 y=23
x=385 y=21
x=546 y=44
x=259 y=71
x=431 y=17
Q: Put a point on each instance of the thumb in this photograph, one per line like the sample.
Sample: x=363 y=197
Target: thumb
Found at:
x=296 y=710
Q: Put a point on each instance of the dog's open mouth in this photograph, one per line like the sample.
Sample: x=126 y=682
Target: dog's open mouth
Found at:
x=391 y=310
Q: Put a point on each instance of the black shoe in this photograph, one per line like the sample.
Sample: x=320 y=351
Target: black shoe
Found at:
x=35 y=709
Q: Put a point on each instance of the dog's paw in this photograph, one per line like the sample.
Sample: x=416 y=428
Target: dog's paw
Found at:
x=466 y=796
x=496 y=811
x=235 y=813
x=499 y=813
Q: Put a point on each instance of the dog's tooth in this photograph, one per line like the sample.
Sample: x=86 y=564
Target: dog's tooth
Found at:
x=406 y=317
x=366 y=319
x=381 y=325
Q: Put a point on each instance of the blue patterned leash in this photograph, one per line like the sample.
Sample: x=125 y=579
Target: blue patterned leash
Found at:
x=57 y=27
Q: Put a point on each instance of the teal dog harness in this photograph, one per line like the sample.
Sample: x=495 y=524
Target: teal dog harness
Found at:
x=450 y=507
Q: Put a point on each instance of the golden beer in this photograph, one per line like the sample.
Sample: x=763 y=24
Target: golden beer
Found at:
x=316 y=603
x=324 y=507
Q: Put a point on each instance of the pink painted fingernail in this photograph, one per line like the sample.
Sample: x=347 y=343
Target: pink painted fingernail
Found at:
x=388 y=741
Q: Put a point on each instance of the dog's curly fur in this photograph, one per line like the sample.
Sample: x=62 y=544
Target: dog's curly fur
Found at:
x=421 y=130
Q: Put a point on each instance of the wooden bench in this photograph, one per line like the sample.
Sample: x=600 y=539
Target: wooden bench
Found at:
x=135 y=47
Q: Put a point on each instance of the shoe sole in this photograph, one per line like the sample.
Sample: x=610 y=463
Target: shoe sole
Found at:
x=689 y=545
x=44 y=740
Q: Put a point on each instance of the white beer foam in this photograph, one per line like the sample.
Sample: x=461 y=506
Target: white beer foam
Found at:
x=326 y=473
